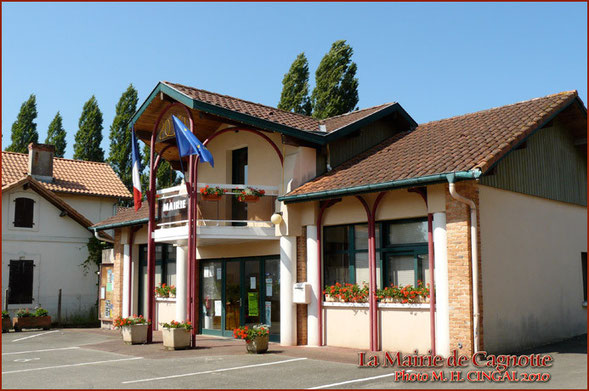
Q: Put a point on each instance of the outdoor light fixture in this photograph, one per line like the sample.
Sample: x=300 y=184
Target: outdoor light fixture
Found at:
x=276 y=218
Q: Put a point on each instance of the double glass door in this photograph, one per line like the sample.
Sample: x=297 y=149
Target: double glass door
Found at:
x=238 y=292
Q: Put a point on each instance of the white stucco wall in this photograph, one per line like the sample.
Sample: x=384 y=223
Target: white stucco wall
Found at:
x=531 y=269
x=58 y=245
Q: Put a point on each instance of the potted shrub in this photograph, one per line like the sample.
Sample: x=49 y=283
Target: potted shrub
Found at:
x=176 y=335
x=256 y=337
x=249 y=194
x=38 y=319
x=6 y=323
x=133 y=329
x=211 y=193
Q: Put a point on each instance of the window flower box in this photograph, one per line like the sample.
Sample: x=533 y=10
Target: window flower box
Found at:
x=346 y=293
x=165 y=290
x=249 y=194
x=404 y=294
x=176 y=335
x=133 y=329
x=6 y=322
x=211 y=193
x=39 y=319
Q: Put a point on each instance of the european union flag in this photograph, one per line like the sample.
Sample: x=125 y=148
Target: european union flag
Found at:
x=189 y=144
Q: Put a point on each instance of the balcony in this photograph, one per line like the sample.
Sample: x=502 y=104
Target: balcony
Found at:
x=229 y=217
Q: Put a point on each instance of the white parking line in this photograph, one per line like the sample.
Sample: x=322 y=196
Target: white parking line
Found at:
x=71 y=365
x=213 y=371
x=33 y=336
x=42 y=350
x=351 y=381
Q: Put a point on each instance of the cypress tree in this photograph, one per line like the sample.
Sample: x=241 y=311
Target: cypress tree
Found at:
x=89 y=134
x=120 y=137
x=56 y=135
x=336 y=87
x=165 y=177
x=24 y=129
x=295 y=87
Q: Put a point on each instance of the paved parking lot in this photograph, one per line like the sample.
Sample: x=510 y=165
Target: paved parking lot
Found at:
x=92 y=358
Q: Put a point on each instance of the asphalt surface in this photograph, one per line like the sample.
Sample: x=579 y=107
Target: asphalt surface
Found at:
x=93 y=358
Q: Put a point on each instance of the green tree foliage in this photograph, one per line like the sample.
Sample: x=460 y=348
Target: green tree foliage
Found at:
x=89 y=135
x=295 y=87
x=336 y=87
x=120 y=137
x=24 y=129
x=56 y=135
x=95 y=247
x=165 y=177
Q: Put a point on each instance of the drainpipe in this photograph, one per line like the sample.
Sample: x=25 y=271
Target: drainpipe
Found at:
x=432 y=294
x=474 y=261
x=102 y=239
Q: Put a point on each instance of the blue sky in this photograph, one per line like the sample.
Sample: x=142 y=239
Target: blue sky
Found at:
x=436 y=59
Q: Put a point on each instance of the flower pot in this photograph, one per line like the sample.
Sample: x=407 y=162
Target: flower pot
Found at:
x=172 y=295
x=32 y=322
x=177 y=338
x=250 y=198
x=6 y=325
x=329 y=298
x=211 y=197
x=135 y=334
x=257 y=345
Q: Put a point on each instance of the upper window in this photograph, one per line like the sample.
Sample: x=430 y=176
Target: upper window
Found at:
x=23 y=212
x=20 y=282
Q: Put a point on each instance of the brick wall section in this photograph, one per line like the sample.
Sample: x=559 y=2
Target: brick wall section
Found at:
x=118 y=275
x=460 y=269
x=302 y=277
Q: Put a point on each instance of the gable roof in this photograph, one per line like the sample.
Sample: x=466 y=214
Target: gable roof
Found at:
x=50 y=196
x=70 y=176
x=125 y=217
x=271 y=118
x=469 y=145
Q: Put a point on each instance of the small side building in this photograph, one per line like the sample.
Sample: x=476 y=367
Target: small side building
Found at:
x=48 y=204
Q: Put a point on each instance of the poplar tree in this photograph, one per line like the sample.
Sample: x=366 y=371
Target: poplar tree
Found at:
x=120 y=137
x=89 y=134
x=24 y=129
x=56 y=135
x=166 y=176
x=295 y=87
x=336 y=87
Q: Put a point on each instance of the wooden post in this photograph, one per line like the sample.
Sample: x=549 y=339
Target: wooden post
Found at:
x=59 y=308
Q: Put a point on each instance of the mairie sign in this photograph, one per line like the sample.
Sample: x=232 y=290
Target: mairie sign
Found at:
x=173 y=209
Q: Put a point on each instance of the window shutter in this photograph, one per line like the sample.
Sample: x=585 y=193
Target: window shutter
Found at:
x=23 y=212
x=20 y=282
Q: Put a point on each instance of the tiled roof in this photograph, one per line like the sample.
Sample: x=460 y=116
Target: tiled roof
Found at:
x=126 y=215
x=462 y=143
x=272 y=114
x=70 y=176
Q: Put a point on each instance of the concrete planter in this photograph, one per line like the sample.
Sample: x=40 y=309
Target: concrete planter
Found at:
x=175 y=339
x=6 y=325
x=32 y=322
x=135 y=334
x=258 y=345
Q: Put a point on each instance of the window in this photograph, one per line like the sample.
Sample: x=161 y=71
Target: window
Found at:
x=401 y=253
x=165 y=270
x=20 y=282
x=584 y=269
x=23 y=212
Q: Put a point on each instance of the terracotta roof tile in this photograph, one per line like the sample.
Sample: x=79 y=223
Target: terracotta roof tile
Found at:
x=462 y=143
x=339 y=121
x=70 y=176
x=126 y=215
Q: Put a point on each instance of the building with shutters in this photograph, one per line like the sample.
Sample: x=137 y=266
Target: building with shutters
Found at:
x=490 y=208
x=48 y=204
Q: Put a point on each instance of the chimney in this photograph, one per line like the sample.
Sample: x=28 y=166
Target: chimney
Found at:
x=41 y=161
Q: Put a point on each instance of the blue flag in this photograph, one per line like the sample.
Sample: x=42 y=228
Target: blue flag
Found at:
x=189 y=144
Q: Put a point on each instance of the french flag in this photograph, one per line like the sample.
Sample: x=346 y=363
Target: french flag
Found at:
x=136 y=170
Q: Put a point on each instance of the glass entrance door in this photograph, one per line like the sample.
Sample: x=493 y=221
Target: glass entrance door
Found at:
x=239 y=292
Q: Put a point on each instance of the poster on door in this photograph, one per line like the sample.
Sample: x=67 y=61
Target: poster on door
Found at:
x=268 y=311
x=252 y=304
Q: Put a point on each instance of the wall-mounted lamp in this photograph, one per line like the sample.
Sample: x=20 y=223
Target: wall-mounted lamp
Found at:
x=276 y=218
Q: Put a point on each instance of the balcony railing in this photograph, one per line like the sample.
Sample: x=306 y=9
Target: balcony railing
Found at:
x=231 y=209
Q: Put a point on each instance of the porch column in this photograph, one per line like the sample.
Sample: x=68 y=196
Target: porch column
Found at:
x=126 y=271
x=288 y=259
x=181 y=278
x=313 y=279
x=441 y=282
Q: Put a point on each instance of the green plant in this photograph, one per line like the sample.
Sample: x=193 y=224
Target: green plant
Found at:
x=404 y=294
x=207 y=190
x=248 y=192
x=130 y=321
x=352 y=293
x=5 y=315
x=24 y=313
x=41 y=312
x=249 y=333
x=177 y=325
x=164 y=290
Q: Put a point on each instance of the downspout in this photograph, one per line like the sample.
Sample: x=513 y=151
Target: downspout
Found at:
x=475 y=255
x=102 y=239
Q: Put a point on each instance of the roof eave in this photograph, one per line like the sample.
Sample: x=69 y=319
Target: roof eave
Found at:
x=390 y=185
x=119 y=225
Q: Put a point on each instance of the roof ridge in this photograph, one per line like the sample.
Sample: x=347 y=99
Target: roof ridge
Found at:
x=243 y=100
x=500 y=107
x=61 y=158
x=357 y=111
